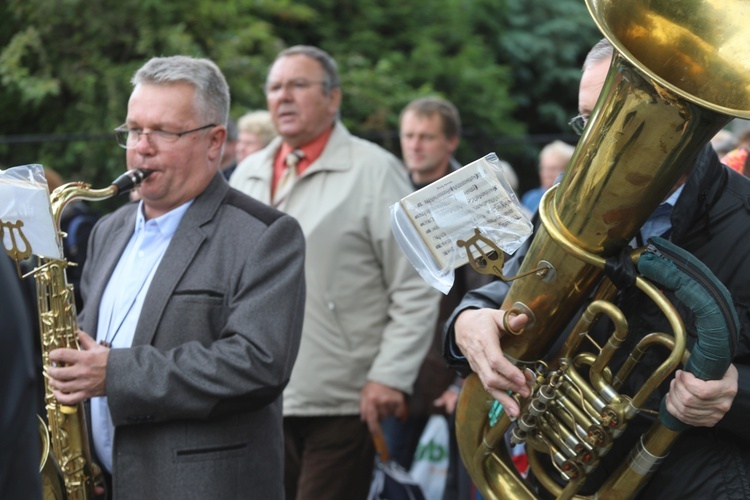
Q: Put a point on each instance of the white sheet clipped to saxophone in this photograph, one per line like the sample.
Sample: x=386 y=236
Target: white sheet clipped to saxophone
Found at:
x=26 y=224
x=433 y=225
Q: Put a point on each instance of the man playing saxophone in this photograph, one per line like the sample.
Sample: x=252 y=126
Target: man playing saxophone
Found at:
x=706 y=214
x=193 y=307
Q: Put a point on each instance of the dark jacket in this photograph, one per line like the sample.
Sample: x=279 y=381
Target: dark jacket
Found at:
x=19 y=437
x=712 y=221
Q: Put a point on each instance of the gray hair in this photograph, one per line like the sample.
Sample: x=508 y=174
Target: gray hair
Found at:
x=212 y=92
x=429 y=106
x=259 y=123
x=329 y=65
x=602 y=51
x=558 y=148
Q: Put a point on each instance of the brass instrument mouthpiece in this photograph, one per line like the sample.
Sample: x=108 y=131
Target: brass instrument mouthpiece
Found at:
x=130 y=180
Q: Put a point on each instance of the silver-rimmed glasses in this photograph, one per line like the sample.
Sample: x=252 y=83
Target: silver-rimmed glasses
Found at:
x=295 y=85
x=578 y=123
x=128 y=137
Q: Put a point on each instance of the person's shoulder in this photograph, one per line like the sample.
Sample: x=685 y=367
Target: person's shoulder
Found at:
x=371 y=150
x=375 y=162
x=250 y=208
x=255 y=164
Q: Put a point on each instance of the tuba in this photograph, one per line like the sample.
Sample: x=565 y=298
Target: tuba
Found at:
x=676 y=78
x=66 y=465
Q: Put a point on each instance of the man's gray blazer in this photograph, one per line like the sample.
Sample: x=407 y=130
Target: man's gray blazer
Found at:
x=196 y=401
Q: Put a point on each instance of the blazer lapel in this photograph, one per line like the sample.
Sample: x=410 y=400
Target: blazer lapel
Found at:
x=118 y=240
x=181 y=251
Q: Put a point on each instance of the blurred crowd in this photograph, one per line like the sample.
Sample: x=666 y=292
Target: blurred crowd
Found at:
x=250 y=327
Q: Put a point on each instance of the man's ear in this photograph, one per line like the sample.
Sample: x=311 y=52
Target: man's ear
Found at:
x=217 y=136
x=335 y=103
x=453 y=143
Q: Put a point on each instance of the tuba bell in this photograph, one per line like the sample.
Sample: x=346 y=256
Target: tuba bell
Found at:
x=676 y=78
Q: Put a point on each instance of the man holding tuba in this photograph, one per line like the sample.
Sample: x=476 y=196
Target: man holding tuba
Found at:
x=193 y=308
x=707 y=214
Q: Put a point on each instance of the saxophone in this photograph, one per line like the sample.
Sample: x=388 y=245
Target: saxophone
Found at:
x=66 y=467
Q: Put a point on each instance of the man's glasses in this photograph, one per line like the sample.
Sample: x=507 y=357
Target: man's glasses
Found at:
x=128 y=137
x=578 y=123
x=295 y=85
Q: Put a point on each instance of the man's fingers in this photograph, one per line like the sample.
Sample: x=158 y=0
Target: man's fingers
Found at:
x=86 y=341
x=516 y=321
x=373 y=422
x=67 y=398
x=63 y=355
x=510 y=405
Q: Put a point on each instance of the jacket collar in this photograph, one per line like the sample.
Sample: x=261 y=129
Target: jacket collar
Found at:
x=335 y=157
x=703 y=186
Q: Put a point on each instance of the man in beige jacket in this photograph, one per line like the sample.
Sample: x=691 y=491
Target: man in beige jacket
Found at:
x=369 y=316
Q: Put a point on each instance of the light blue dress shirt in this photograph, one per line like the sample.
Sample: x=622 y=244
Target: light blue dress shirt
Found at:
x=122 y=301
x=659 y=221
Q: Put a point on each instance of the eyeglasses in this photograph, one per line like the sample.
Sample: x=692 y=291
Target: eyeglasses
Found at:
x=578 y=123
x=296 y=85
x=128 y=137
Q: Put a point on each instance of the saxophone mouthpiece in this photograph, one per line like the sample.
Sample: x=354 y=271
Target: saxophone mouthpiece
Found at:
x=130 y=180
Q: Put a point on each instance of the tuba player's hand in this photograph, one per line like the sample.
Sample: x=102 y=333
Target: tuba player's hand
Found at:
x=478 y=333
x=701 y=403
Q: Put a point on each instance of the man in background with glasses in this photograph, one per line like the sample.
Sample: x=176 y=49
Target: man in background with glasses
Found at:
x=369 y=316
x=193 y=311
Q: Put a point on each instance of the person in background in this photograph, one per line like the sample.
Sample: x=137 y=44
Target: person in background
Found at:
x=429 y=157
x=707 y=215
x=743 y=139
x=256 y=130
x=193 y=308
x=738 y=160
x=723 y=142
x=369 y=316
x=229 y=153
x=430 y=132
x=553 y=160
x=19 y=435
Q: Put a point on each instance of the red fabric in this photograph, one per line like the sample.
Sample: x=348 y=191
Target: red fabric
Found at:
x=521 y=462
x=736 y=159
x=312 y=151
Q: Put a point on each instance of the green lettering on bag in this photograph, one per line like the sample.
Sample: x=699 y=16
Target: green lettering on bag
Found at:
x=432 y=452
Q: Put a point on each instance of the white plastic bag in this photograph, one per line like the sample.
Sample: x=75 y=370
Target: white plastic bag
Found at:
x=430 y=466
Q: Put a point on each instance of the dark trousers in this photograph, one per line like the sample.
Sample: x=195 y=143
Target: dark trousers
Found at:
x=327 y=458
x=402 y=437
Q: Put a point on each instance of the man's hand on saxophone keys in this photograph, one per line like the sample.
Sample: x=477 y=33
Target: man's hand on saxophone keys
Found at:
x=80 y=374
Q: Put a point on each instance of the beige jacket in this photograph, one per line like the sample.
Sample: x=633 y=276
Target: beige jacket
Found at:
x=368 y=315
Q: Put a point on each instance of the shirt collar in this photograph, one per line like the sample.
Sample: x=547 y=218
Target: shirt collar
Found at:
x=672 y=200
x=312 y=151
x=167 y=223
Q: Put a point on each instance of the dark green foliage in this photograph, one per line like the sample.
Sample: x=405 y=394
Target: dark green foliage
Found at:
x=510 y=67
